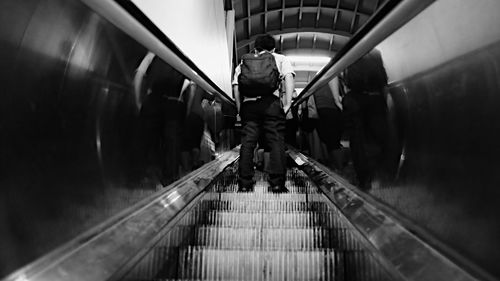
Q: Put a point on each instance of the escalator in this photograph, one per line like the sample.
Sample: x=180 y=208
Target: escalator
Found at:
x=260 y=235
x=201 y=228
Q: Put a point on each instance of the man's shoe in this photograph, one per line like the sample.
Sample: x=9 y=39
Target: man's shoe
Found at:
x=244 y=189
x=259 y=166
x=245 y=186
x=278 y=189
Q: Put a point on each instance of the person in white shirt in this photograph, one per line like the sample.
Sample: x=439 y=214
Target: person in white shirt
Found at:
x=264 y=115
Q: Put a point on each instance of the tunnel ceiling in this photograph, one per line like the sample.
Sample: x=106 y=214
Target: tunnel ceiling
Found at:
x=301 y=27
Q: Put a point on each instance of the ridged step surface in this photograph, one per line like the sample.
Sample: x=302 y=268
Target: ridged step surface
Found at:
x=260 y=235
x=262 y=188
x=215 y=264
x=293 y=239
x=263 y=206
x=264 y=219
x=249 y=196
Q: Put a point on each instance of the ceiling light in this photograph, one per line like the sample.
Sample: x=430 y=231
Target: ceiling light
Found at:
x=309 y=59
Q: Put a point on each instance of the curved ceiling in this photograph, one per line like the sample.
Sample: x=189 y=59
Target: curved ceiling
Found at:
x=301 y=27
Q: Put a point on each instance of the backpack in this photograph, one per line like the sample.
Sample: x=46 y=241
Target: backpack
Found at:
x=259 y=75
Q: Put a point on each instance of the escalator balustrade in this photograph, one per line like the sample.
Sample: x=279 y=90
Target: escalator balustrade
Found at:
x=260 y=235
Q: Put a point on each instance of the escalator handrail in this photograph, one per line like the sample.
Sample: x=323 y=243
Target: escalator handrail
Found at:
x=130 y=19
x=410 y=252
x=391 y=16
x=104 y=250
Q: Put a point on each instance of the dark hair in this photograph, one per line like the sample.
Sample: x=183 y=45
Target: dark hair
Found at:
x=265 y=42
x=367 y=74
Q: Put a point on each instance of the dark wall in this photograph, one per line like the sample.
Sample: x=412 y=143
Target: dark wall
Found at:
x=75 y=146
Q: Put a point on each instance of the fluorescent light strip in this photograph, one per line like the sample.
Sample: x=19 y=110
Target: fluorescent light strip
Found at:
x=309 y=59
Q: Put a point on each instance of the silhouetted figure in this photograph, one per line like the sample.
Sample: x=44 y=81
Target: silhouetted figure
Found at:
x=365 y=116
x=214 y=120
x=162 y=115
x=291 y=125
x=194 y=125
x=151 y=116
x=330 y=124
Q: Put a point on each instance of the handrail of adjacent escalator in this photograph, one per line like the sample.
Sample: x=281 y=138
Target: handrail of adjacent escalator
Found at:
x=127 y=17
x=407 y=250
x=390 y=16
x=107 y=249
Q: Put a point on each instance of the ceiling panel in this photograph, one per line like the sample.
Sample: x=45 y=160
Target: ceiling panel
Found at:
x=311 y=2
x=301 y=27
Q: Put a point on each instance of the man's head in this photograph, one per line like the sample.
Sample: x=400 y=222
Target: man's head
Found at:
x=265 y=42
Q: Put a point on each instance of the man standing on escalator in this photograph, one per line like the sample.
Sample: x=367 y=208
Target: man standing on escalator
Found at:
x=259 y=105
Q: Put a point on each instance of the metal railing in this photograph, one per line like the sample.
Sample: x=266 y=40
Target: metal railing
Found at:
x=390 y=17
x=106 y=251
x=392 y=238
x=130 y=19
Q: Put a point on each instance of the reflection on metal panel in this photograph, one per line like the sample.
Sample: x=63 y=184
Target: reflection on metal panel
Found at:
x=448 y=125
x=394 y=243
x=75 y=147
x=104 y=250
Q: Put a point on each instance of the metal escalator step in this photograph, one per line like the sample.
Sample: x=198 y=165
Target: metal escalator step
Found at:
x=214 y=264
x=296 y=182
x=263 y=206
x=163 y=258
x=198 y=263
x=260 y=219
x=249 y=196
x=275 y=238
x=259 y=235
x=262 y=187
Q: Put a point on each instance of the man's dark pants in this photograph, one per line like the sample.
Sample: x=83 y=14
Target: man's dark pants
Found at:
x=263 y=116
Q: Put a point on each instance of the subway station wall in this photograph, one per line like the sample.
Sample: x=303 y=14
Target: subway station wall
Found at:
x=444 y=69
x=75 y=145
x=198 y=28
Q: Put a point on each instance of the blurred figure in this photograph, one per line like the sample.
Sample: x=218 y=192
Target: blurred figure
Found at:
x=194 y=124
x=214 y=119
x=151 y=135
x=162 y=114
x=329 y=124
x=291 y=124
x=173 y=117
x=306 y=121
x=365 y=116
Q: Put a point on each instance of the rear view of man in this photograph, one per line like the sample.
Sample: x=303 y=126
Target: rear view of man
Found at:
x=261 y=112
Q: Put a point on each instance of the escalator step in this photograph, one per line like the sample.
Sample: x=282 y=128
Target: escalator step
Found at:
x=206 y=263
x=260 y=219
x=275 y=238
x=263 y=206
x=259 y=235
x=213 y=264
x=262 y=188
x=249 y=196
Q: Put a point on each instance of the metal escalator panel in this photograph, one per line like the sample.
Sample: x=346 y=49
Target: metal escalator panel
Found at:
x=259 y=235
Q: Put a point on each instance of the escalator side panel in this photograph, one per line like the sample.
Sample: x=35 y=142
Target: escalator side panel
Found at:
x=403 y=253
x=261 y=236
